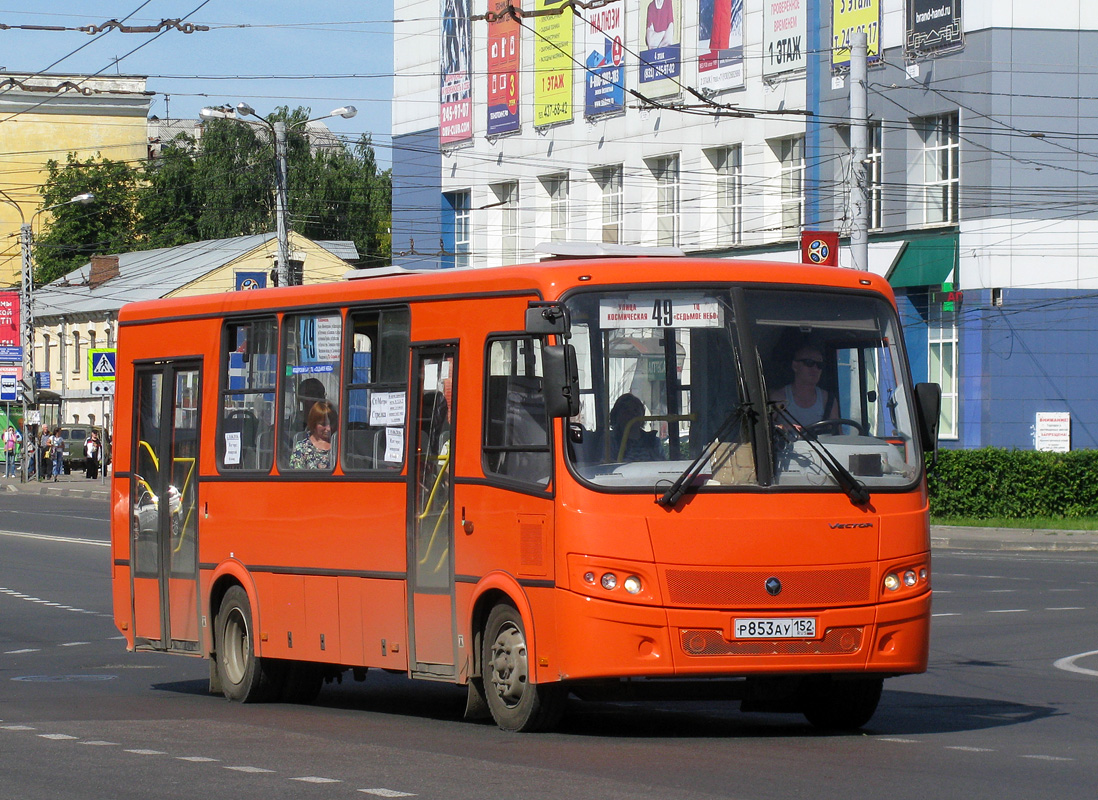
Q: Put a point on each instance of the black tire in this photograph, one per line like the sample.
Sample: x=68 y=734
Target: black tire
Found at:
x=516 y=704
x=245 y=677
x=841 y=705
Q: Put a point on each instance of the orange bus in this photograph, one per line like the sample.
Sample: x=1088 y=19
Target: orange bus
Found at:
x=579 y=476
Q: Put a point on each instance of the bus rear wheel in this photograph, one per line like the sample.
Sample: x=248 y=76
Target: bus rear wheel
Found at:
x=245 y=677
x=516 y=703
x=841 y=705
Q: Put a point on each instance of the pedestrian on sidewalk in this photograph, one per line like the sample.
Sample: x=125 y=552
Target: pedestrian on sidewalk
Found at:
x=31 y=448
x=92 y=449
x=11 y=439
x=57 y=452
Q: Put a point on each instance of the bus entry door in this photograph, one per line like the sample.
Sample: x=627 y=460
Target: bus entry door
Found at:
x=164 y=507
x=430 y=513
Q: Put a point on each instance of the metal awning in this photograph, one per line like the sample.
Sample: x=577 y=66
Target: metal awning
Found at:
x=925 y=261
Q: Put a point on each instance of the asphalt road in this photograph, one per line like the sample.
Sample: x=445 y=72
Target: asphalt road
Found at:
x=82 y=718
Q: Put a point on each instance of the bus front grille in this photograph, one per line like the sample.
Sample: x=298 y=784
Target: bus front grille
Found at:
x=717 y=588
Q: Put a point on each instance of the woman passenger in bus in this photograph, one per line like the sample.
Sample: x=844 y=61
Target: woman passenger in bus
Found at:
x=315 y=450
x=804 y=400
x=627 y=420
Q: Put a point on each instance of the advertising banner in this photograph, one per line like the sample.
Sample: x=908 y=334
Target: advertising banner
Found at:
x=660 y=48
x=785 y=30
x=10 y=310
x=604 y=42
x=250 y=280
x=933 y=25
x=504 y=59
x=455 y=124
x=552 y=64
x=720 y=44
x=848 y=17
x=820 y=248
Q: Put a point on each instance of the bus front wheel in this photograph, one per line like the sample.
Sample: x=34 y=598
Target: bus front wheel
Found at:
x=517 y=704
x=245 y=677
x=841 y=705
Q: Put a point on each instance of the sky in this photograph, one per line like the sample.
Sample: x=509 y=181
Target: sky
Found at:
x=267 y=53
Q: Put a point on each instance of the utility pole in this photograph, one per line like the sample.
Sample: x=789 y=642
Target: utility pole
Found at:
x=859 y=195
x=26 y=325
x=281 y=158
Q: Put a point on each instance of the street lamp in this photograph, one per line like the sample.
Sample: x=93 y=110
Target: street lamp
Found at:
x=26 y=297
x=278 y=131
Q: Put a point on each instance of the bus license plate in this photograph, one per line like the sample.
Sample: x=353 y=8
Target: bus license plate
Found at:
x=775 y=628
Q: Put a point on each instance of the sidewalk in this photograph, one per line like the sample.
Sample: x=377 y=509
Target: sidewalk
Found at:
x=74 y=485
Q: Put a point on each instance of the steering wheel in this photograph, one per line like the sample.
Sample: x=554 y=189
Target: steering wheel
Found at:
x=837 y=424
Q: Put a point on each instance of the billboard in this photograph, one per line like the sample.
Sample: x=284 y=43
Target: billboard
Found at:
x=848 y=17
x=660 y=47
x=9 y=319
x=604 y=43
x=785 y=31
x=504 y=59
x=720 y=44
x=455 y=123
x=933 y=25
x=552 y=64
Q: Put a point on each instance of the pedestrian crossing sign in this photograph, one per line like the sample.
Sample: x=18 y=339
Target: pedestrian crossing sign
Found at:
x=101 y=364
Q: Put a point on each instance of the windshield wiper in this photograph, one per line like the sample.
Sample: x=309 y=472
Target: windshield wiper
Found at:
x=686 y=480
x=857 y=491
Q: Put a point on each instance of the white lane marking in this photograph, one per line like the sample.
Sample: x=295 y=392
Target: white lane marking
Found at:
x=17 y=728
x=970 y=749
x=386 y=793
x=72 y=644
x=24 y=650
x=63 y=539
x=253 y=770
x=950 y=614
x=58 y=737
x=315 y=779
x=1067 y=663
x=140 y=751
x=1066 y=608
x=1049 y=758
x=1007 y=610
x=897 y=741
x=100 y=743
x=198 y=759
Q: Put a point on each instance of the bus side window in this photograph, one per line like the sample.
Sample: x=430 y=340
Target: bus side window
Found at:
x=249 y=363
x=312 y=348
x=377 y=390
x=516 y=429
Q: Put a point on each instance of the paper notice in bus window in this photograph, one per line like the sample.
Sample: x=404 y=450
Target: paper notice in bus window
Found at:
x=394 y=444
x=232 y=448
x=667 y=311
x=387 y=408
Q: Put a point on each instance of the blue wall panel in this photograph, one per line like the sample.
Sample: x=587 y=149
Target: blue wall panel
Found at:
x=417 y=216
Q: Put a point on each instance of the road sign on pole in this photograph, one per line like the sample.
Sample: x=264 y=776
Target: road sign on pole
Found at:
x=101 y=364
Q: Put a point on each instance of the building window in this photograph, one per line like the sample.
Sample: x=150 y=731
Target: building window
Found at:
x=609 y=181
x=456 y=231
x=507 y=197
x=76 y=352
x=556 y=188
x=874 y=175
x=941 y=168
x=45 y=352
x=791 y=160
x=942 y=350
x=728 y=164
x=666 y=172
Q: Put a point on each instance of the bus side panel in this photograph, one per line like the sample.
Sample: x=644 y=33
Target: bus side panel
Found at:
x=372 y=623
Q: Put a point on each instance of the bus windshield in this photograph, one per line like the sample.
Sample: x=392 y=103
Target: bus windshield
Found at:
x=663 y=380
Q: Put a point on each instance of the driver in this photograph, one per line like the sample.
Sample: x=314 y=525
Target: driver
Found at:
x=804 y=400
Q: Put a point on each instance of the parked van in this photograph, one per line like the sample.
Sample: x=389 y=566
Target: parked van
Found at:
x=74 y=436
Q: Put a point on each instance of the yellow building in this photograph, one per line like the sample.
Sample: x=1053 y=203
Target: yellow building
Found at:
x=48 y=116
x=77 y=313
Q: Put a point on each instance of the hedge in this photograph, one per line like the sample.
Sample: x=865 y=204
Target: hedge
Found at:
x=1014 y=484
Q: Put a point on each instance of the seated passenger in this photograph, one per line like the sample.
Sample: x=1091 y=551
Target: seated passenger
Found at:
x=315 y=450
x=641 y=445
x=804 y=400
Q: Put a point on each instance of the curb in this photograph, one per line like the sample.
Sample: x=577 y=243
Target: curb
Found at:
x=48 y=488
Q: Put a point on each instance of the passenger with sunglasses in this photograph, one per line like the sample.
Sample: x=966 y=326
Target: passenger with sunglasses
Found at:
x=804 y=400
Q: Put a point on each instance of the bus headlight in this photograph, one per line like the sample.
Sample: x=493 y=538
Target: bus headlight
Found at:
x=892 y=581
x=609 y=581
x=910 y=578
x=632 y=584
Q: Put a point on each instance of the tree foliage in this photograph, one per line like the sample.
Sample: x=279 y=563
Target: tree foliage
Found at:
x=219 y=187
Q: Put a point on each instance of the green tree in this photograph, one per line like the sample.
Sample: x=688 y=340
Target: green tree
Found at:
x=168 y=205
x=77 y=232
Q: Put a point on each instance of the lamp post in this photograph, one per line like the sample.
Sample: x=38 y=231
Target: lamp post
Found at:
x=26 y=297
x=278 y=130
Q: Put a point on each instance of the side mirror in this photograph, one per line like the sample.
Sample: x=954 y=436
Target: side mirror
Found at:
x=561 y=380
x=928 y=409
x=544 y=318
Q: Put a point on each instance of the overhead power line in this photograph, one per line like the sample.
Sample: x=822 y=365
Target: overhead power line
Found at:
x=113 y=24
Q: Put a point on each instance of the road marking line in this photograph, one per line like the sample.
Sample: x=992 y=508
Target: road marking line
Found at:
x=386 y=793
x=254 y=770
x=65 y=539
x=1049 y=758
x=950 y=614
x=970 y=749
x=24 y=650
x=897 y=741
x=143 y=752
x=1066 y=608
x=17 y=728
x=1007 y=610
x=72 y=644
x=198 y=759
x=59 y=737
x=100 y=743
x=315 y=779
x=1067 y=663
